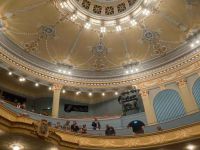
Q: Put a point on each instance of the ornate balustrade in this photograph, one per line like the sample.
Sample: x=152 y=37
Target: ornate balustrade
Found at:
x=12 y=122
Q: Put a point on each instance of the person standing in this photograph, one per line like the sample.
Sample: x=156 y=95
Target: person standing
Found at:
x=137 y=126
x=96 y=124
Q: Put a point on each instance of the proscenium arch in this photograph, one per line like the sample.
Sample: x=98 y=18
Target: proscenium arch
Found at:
x=196 y=91
x=168 y=105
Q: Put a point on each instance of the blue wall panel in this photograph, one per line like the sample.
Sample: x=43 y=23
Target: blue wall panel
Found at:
x=196 y=91
x=168 y=105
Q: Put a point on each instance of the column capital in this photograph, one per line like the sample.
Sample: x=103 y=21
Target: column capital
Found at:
x=144 y=93
x=182 y=83
x=57 y=87
x=198 y=73
x=162 y=87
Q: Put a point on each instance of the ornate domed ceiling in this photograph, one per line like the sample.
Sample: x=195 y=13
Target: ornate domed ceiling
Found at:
x=93 y=39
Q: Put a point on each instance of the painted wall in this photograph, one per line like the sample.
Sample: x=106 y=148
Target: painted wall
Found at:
x=111 y=107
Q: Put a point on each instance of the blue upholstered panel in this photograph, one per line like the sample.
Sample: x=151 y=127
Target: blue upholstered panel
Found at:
x=196 y=91
x=168 y=105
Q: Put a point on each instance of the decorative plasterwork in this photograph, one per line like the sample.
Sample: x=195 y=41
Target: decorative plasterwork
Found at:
x=185 y=63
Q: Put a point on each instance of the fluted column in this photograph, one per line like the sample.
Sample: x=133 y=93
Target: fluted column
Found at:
x=187 y=98
x=56 y=99
x=148 y=107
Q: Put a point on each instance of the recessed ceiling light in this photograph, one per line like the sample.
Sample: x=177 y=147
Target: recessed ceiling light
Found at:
x=191 y=147
x=127 y=72
x=78 y=92
x=50 y=88
x=136 y=69
x=16 y=147
x=103 y=94
x=90 y=93
x=192 y=45
x=36 y=84
x=10 y=73
x=197 y=42
x=69 y=72
x=116 y=93
x=54 y=148
x=63 y=91
x=22 y=79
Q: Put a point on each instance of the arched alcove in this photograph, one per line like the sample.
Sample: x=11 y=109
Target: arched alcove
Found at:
x=196 y=91
x=168 y=105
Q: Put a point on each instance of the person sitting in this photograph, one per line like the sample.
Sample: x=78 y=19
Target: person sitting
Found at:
x=110 y=131
x=58 y=126
x=74 y=127
x=137 y=126
x=67 y=125
x=23 y=106
x=96 y=124
x=18 y=105
x=159 y=128
x=84 y=129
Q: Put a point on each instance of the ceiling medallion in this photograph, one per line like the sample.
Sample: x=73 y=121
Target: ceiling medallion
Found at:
x=107 y=14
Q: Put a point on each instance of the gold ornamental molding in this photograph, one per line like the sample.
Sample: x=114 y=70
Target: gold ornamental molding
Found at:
x=168 y=73
x=10 y=122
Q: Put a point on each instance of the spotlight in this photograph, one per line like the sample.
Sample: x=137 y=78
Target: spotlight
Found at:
x=191 y=147
x=69 y=73
x=10 y=73
x=118 y=28
x=132 y=71
x=103 y=94
x=116 y=93
x=59 y=70
x=136 y=69
x=63 y=91
x=103 y=29
x=50 y=88
x=36 y=84
x=90 y=93
x=87 y=25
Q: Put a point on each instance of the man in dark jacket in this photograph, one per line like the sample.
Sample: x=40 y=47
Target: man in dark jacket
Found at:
x=137 y=126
